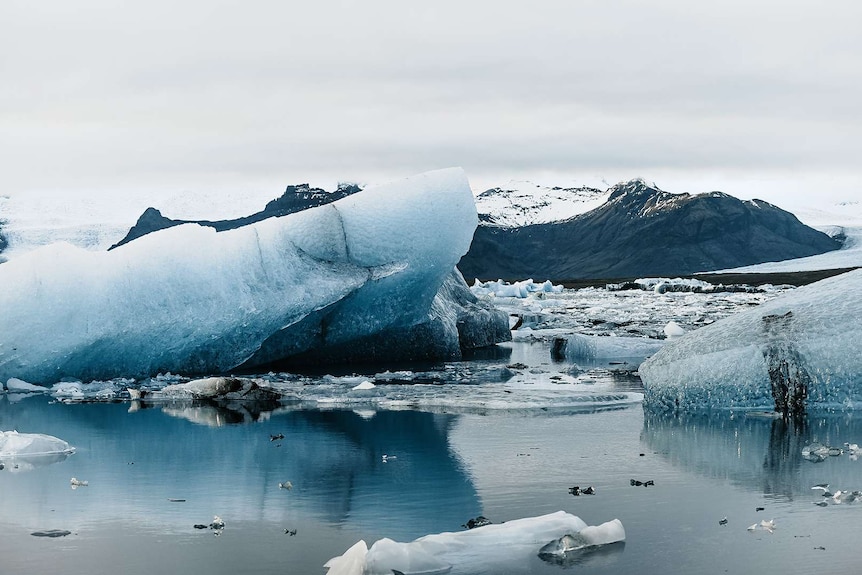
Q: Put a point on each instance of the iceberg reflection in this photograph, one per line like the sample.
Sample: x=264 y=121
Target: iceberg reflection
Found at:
x=760 y=452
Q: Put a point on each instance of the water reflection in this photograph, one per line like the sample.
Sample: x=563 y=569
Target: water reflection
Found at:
x=137 y=461
x=759 y=452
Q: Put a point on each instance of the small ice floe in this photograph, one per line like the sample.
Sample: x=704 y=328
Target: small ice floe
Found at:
x=817 y=452
x=217 y=524
x=363 y=386
x=76 y=483
x=764 y=525
x=15 y=385
x=14 y=444
x=673 y=330
x=286 y=485
x=388 y=458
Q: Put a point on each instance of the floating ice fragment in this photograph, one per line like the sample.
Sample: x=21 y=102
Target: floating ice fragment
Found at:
x=75 y=483
x=364 y=385
x=14 y=444
x=488 y=549
x=15 y=385
x=673 y=330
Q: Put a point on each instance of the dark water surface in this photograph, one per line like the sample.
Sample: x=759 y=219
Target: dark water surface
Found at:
x=449 y=467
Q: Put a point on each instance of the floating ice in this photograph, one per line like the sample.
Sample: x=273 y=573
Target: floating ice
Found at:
x=15 y=385
x=519 y=289
x=673 y=330
x=14 y=444
x=579 y=347
x=800 y=350
x=487 y=549
x=361 y=274
x=589 y=536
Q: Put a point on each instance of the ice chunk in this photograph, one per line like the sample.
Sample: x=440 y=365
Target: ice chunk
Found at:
x=14 y=444
x=15 y=385
x=190 y=300
x=577 y=347
x=673 y=330
x=488 y=549
x=519 y=289
x=797 y=351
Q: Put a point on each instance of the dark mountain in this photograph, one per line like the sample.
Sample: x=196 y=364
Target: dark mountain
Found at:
x=643 y=231
x=294 y=199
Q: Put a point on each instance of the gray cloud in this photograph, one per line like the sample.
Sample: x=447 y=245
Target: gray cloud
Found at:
x=99 y=93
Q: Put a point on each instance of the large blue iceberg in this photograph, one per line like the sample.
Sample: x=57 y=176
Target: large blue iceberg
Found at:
x=797 y=352
x=370 y=275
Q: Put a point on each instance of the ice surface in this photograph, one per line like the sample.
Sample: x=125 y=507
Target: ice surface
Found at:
x=490 y=549
x=190 y=300
x=811 y=336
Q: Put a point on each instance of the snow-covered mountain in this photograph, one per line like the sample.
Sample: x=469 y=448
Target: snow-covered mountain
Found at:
x=522 y=203
x=641 y=230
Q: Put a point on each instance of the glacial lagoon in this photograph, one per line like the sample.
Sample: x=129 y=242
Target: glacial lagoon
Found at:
x=155 y=470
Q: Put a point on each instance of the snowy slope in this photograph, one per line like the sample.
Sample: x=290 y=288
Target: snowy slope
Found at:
x=841 y=218
x=523 y=203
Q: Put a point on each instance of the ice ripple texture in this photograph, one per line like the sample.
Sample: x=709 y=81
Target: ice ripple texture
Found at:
x=814 y=331
x=190 y=300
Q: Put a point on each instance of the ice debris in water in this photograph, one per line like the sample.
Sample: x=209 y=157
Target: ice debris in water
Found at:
x=796 y=352
x=191 y=300
x=486 y=549
x=521 y=289
x=75 y=483
x=14 y=444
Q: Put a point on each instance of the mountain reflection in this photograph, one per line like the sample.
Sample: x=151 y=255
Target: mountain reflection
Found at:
x=756 y=451
x=333 y=459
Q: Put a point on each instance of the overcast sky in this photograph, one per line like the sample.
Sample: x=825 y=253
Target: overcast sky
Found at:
x=755 y=98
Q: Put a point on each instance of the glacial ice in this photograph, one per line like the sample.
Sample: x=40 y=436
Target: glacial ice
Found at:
x=577 y=347
x=519 y=289
x=489 y=549
x=14 y=444
x=357 y=275
x=797 y=351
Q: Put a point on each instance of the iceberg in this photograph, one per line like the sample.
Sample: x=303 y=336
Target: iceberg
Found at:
x=577 y=347
x=369 y=276
x=488 y=549
x=21 y=452
x=797 y=352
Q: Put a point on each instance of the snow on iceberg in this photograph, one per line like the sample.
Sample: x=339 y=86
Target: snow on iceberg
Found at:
x=489 y=549
x=798 y=351
x=191 y=300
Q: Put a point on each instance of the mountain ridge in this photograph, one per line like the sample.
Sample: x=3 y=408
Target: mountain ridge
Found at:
x=643 y=230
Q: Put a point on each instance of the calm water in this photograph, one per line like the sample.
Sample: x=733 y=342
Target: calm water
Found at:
x=449 y=467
